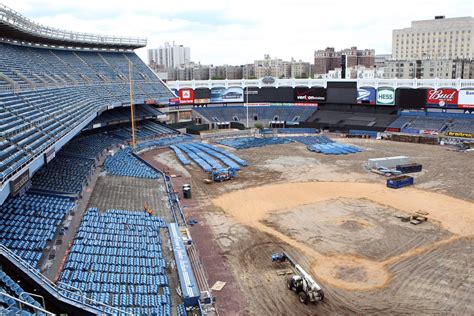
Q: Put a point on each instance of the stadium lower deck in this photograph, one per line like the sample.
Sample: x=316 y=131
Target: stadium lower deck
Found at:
x=115 y=252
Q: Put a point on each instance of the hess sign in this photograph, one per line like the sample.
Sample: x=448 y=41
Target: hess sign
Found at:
x=442 y=97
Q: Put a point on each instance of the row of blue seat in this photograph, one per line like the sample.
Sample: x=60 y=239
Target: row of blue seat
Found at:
x=163 y=142
x=29 y=222
x=124 y=277
x=334 y=149
x=65 y=174
x=226 y=153
x=251 y=142
x=123 y=163
x=181 y=156
x=294 y=130
x=200 y=158
x=310 y=140
x=209 y=151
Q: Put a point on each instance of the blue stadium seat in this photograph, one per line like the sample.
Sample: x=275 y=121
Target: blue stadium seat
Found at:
x=117 y=259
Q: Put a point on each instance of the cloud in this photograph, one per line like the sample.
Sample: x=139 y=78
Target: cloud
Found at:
x=230 y=32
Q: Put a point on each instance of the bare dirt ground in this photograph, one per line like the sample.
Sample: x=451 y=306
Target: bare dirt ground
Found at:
x=338 y=220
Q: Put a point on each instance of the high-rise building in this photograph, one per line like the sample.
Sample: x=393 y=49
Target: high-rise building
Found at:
x=439 y=38
x=278 y=68
x=330 y=59
x=170 y=55
x=429 y=69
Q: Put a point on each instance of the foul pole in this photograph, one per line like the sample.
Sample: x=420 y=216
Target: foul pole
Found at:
x=132 y=109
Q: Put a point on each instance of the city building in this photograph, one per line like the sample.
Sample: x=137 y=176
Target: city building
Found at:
x=440 y=38
x=226 y=72
x=380 y=59
x=330 y=59
x=170 y=55
x=429 y=69
x=300 y=69
x=279 y=68
x=355 y=72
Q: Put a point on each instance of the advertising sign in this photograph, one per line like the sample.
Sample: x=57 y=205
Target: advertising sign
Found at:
x=186 y=96
x=442 y=97
x=466 y=99
x=410 y=131
x=19 y=183
x=175 y=91
x=306 y=104
x=229 y=95
x=315 y=94
x=459 y=134
x=202 y=96
x=385 y=96
x=173 y=101
x=366 y=95
x=150 y=101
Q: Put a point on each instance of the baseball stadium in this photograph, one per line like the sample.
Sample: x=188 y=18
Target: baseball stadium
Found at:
x=125 y=195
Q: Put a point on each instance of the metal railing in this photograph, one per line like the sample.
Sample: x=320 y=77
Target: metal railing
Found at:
x=375 y=83
x=22 y=303
x=62 y=291
x=18 y=21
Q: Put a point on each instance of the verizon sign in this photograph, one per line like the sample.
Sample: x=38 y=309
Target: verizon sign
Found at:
x=314 y=94
x=442 y=97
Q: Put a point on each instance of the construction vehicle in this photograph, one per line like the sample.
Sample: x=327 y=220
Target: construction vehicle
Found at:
x=219 y=175
x=301 y=282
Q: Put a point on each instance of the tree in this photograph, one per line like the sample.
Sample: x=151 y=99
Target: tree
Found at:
x=258 y=125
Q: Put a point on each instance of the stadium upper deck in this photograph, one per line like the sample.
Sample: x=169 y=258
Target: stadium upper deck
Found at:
x=18 y=28
x=53 y=83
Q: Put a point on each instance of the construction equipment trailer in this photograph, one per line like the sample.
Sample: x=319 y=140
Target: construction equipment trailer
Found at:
x=301 y=282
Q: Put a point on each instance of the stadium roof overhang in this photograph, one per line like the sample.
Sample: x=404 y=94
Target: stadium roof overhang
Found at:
x=16 y=27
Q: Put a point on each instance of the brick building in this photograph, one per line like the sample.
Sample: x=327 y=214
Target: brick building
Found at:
x=330 y=59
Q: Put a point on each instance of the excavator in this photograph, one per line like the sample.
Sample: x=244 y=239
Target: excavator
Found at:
x=301 y=282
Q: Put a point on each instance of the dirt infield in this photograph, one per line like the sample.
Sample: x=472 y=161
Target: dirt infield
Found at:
x=339 y=221
x=252 y=206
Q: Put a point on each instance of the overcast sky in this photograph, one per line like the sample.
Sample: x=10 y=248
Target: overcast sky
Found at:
x=237 y=32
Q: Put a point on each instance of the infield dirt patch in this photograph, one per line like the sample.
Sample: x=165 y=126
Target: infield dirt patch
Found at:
x=269 y=208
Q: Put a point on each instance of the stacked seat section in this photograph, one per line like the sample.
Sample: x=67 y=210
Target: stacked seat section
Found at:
x=28 y=223
x=203 y=160
x=204 y=154
x=251 y=142
x=124 y=163
x=163 y=142
x=294 y=130
x=117 y=258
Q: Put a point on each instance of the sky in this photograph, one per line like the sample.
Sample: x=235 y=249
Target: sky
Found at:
x=238 y=32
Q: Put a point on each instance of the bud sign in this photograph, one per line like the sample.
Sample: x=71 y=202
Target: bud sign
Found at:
x=442 y=97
